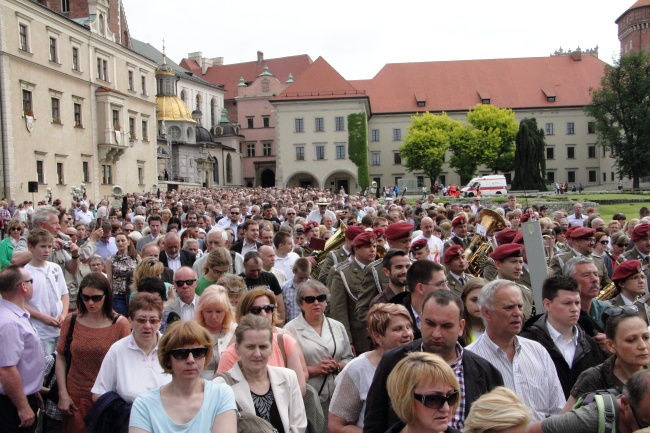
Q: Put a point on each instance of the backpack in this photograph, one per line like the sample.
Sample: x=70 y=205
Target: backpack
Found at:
x=606 y=403
x=248 y=422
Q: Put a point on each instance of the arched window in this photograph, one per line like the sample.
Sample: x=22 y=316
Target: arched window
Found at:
x=183 y=96
x=198 y=101
x=213 y=109
x=228 y=169
x=215 y=171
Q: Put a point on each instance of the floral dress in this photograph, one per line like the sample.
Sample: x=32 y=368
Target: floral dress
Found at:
x=121 y=265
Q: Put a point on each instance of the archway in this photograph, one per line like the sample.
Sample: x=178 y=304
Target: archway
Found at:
x=267 y=178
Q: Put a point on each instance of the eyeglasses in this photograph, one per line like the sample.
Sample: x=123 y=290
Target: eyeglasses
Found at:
x=312 y=299
x=436 y=401
x=181 y=283
x=636 y=418
x=617 y=311
x=234 y=213
x=127 y=230
x=144 y=320
x=270 y=308
x=604 y=242
x=94 y=298
x=183 y=354
x=30 y=281
x=291 y=213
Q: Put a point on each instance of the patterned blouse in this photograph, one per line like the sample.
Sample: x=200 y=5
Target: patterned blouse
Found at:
x=121 y=264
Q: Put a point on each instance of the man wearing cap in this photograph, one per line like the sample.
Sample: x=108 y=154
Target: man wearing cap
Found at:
x=436 y=246
x=420 y=250
x=395 y=265
x=375 y=281
x=641 y=251
x=509 y=261
x=317 y=214
x=345 y=288
x=456 y=264
x=582 y=244
x=459 y=232
x=578 y=218
x=339 y=255
x=502 y=237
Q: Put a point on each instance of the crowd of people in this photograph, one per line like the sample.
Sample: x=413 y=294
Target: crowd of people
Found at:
x=315 y=311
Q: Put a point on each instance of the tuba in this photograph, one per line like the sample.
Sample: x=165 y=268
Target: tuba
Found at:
x=335 y=242
x=480 y=246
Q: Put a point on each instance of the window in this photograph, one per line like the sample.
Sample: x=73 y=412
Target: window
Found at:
x=550 y=153
x=131 y=83
x=107 y=177
x=340 y=151
x=320 y=124
x=591 y=127
x=266 y=121
x=375 y=135
x=249 y=122
x=612 y=176
x=141 y=175
x=27 y=103
x=132 y=128
x=59 y=173
x=56 y=112
x=102 y=69
x=266 y=149
x=40 y=172
x=250 y=150
x=145 y=130
x=604 y=177
x=228 y=169
x=571 y=152
x=85 y=168
x=420 y=180
x=549 y=129
x=143 y=84
x=53 y=54
x=300 y=153
x=571 y=176
x=340 y=123
x=550 y=99
x=397 y=158
x=376 y=159
x=592 y=175
x=421 y=103
x=397 y=179
x=320 y=152
x=442 y=179
x=23 y=37
x=65 y=5
x=300 y=125
x=570 y=128
x=485 y=101
x=591 y=151
x=397 y=134
x=604 y=152
x=78 y=120
x=116 y=119
x=550 y=176
x=75 y=58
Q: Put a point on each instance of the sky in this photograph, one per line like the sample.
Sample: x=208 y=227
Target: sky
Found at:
x=358 y=37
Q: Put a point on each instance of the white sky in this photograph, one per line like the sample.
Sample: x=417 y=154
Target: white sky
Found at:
x=357 y=37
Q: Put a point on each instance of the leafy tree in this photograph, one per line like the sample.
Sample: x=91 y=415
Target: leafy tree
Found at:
x=530 y=162
x=426 y=143
x=467 y=150
x=497 y=128
x=621 y=108
x=358 y=147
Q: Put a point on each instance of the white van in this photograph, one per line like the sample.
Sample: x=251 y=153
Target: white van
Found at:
x=490 y=185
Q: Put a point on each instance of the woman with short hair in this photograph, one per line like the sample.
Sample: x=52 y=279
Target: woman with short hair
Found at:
x=217 y=265
x=15 y=229
x=498 y=410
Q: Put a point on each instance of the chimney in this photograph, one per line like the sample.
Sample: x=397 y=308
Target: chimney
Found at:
x=576 y=55
x=260 y=57
x=217 y=61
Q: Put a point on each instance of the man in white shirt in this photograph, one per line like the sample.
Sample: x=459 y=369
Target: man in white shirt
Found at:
x=435 y=244
x=268 y=263
x=284 y=255
x=232 y=220
x=317 y=214
x=577 y=219
x=84 y=215
x=185 y=284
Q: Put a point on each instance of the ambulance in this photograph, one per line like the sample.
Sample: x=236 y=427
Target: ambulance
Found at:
x=489 y=185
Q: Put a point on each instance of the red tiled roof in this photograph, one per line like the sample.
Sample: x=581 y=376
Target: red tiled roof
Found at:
x=459 y=85
x=638 y=4
x=319 y=81
x=229 y=75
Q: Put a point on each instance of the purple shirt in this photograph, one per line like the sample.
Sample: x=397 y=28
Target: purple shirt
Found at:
x=21 y=347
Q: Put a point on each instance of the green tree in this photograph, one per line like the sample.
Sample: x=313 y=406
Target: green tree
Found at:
x=427 y=140
x=467 y=150
x=530 y=161
x=497 y=128
x=358 y=147
x=621 y=108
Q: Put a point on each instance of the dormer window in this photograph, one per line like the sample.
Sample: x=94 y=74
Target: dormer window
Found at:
x=485 y=96
x=421 y=99
x=549 y=93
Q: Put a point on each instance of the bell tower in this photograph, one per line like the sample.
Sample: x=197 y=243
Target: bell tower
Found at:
x=634 y=28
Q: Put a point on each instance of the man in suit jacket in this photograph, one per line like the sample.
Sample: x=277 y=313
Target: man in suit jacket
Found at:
x=250 y=240
x=173 y=257
x=155 y=227
x=442 y=323
x=185 y=303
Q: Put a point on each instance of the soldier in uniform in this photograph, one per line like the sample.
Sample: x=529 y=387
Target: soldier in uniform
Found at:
x=459 y=232
x=395 y=265
x=509 y=261
x=641 y=250
x=502 y=237
x=456 y=264
x=582 y=244
x=339 y=255
x=345 y=288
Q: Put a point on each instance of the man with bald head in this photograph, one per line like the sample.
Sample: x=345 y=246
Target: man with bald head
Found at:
x=173 y=257
x=435 y=244
x=268 y=263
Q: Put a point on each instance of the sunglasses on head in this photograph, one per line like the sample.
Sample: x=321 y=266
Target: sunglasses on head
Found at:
x=183 y=354
x=617 y=311
x=181 y=283
x=94 y=298
x=257 y=310
x=436 y=401
x=312 y=299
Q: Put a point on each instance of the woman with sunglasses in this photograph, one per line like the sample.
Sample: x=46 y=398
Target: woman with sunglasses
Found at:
x=601 y=249
x=631 y=282
x=96 y=328
x=118 y=266
x=620 y=241
x=424 y=393
x=324 y=341
x=187 y=403
x=389 y=326
x=628 y=340
x=15 y=230
x=262 y=302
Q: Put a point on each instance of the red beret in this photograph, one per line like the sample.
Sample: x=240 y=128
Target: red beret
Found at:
x=570 y=230
x=310 y=225
x=508 y=250
x=640 y=231
x=626 y=269
x=353 y=231
x=459 y=220
x=582 y=232
x=452 y=253
x=365 y=238
x=399 y=230
x=519 y=239
x=505 y=236
x=419 y=244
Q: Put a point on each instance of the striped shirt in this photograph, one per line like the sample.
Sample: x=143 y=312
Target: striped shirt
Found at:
x=531 y=374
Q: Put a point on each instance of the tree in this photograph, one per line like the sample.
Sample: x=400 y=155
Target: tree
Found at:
x=530 y=161
x=426 y=143
x=467 y=150
x=358 y=147
x=497 y=128
x=621 y=108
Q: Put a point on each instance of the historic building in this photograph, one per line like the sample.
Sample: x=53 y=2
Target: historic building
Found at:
x=77 y=103
x=634 y=27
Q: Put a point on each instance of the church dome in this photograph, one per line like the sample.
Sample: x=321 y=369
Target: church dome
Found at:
x=203 y=135
x=173 y=108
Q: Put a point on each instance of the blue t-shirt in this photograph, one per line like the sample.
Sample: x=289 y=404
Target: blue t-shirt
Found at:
x=149 y=414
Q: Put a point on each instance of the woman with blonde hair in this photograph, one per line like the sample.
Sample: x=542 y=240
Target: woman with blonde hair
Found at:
x=499 y=410
x=235 y=286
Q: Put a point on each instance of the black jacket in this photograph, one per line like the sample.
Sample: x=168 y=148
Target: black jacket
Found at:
x=480 y=378
x=237 y=246
x=187 y=258
x=404 y=299
x=109 y=414
x=587 y=354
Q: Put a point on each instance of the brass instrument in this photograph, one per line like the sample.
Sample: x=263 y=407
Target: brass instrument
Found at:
x=336 y=241
x=607 y=292
x=480 y=246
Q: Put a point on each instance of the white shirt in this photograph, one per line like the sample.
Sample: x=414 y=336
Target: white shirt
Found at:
x=187 y=310
x=316 y=216
x=566 y=348
x=174 y=264
x=280 y=275
x=49 y=287
x=285 y=264
x=85 y=217
x=573 y=220
x=436 y=246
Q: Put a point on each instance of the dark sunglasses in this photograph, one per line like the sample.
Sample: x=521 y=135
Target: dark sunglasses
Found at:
x=94 y=298
x=436 y=401
x=30 y=281
x=127 y=230
x=621 y=245
x=258 y=310
x=234 y=213
x=603 y=242
x=312 y=299
x=16 y=228
x=291 y=213
x=181 y=283
x=183 y=354
x=143 y=320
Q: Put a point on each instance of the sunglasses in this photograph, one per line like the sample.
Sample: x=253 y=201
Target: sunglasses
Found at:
x=17 y=229
x=183 y=354
x=621 y=245
x=94 y=298
x=181 y=283
x=436 y=401
x=30 y=281
x=604 y=242
x=291 y=213
x=127 y=230
x=234 y=213
x=617 y=311
x=312 y=299
x=144 y=320
x=270 y=308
